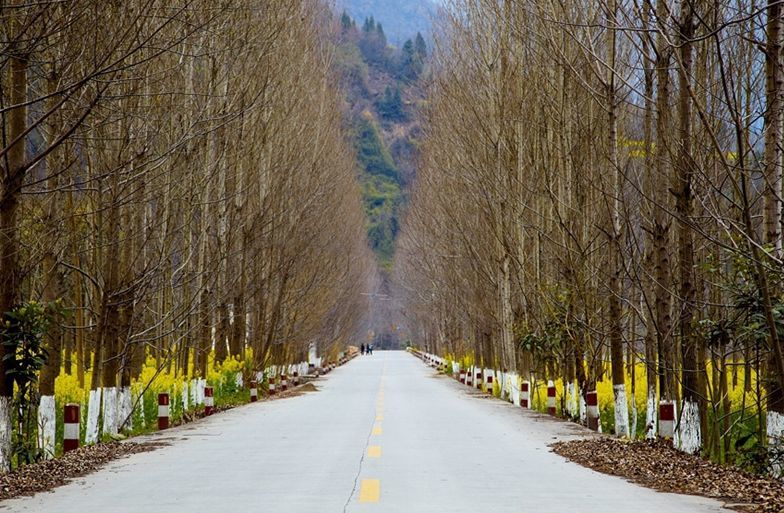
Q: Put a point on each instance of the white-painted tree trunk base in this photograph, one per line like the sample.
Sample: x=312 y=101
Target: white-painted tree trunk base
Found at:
x=583 y=409
x=238 y=380
x=200 y=390
x=125 y=409
x=109 y=400
x=621 y=411
x=687 y=437
x=140 y=398
x=47 y=426
x=5 y=434
x=572 y=409
x=651 y=416
x=194 y=392
x=775 y=432
x=515 y=379
x=502 y=383
x=93 y=410
x=185 y=396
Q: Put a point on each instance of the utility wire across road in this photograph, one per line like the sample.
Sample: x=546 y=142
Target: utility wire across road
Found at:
x=384 y=434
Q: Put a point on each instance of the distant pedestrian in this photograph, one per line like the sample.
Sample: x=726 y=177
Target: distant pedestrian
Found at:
x=370 y=348
x=362 y=349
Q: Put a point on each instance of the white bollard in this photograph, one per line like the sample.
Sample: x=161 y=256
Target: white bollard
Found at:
x=489 y=384
x=525 y=395
x=666 y=419
x=163 y=411
x=592 y=409
x=71 y=427
x=209 y=401
x=551 y=397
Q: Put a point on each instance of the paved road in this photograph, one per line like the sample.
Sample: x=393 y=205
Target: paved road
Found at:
x=384 y=434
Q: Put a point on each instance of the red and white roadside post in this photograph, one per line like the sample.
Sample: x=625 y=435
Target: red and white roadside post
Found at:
x=284 y=382
x=254 y=392
x=462 y=376
x=551 y=398
x=592 y=410
x=163 y=411
x=209 y=401
x=272 y=383
x=666 y=419
x=296 y=378
x=478 y=379
x=71 y=427
x=489 y=384
x=525 y=395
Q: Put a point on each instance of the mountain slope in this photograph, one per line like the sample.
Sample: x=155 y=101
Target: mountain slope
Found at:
x=383 y=94
x=402 y=19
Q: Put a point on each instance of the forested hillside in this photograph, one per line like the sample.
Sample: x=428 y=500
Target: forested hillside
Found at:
x=383 y=93
x=402 y=19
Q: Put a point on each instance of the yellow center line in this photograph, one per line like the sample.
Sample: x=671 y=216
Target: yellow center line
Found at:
x=369 y=490
x=377 y=429
x=379 y=417
x=374 y=451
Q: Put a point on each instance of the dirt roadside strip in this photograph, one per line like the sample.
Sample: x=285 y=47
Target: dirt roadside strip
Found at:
x=656 y=464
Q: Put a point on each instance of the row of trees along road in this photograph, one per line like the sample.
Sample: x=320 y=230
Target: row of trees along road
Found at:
x=600 y=190
x=171 y=173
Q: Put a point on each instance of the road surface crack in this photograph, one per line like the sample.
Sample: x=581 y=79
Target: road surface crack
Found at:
x=359 y=471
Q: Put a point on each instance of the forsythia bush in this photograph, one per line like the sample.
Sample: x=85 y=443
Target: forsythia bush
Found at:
x=152 y=381
x=604 y=389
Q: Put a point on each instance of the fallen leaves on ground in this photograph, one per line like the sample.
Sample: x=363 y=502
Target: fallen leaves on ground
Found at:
x=45 y=475
x=656 y=464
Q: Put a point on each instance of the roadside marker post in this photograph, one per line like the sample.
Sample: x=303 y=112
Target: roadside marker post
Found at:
x=163 y=411
x=551 y=397
x=254 y=392
x=592 y=410
x=71 y=427
x=666 y=419
x=525 y=395
x=209 y=401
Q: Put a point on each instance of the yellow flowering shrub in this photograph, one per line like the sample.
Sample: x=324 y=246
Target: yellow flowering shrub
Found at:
x=153 y=381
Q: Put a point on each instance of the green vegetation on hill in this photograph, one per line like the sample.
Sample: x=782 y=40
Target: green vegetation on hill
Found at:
x=391 y=107
x=372 y=154
x=381 y=187
x=381 y=87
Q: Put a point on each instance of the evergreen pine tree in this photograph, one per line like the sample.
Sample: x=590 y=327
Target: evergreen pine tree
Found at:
x=345 y=22
x=411 y=64
x=369 y=25
x=420 y=46
x=382 y=38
